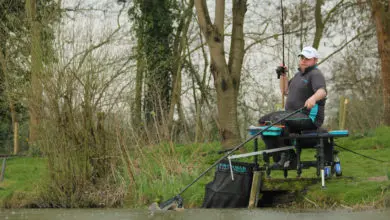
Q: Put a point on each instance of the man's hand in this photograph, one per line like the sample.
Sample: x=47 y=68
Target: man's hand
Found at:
x=318 y=95
x=281 y=70
x=310 y=103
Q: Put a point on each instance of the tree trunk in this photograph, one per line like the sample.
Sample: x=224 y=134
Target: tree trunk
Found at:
x=319 y=24
x=15 y=124
x=36 y=68
x=226 y=75
x=322 y=20
x=180 y=46
x=5 y=90
x=381 y=16
x=199 y=81
x=137 y=107
x=202 y=81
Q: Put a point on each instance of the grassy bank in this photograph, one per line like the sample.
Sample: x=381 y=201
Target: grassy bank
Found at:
x=161 y=171
x=22 y=181
x=364 y=183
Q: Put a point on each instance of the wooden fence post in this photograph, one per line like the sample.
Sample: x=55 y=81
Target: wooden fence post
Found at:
x=341 y=111
x=16 y=139
x=344 y=113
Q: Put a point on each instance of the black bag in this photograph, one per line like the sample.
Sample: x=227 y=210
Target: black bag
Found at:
x=222 y=192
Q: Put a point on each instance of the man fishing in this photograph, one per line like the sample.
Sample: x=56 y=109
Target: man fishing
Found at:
x=306 y=89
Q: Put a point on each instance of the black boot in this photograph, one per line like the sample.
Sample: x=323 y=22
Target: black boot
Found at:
x=291 y=161
x=281 y=162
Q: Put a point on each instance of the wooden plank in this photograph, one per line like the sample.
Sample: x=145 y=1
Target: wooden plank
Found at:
x=255 y=189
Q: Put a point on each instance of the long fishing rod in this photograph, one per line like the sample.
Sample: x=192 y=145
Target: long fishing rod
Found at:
x=283 y=61
x=178 y=198
x=362 y=155
x=282 y=22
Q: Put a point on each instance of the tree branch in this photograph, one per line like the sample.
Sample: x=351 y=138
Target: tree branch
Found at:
x=346 y=44
x=220 y=17
x=89 y=50
x=203 y=16
x=332 y=11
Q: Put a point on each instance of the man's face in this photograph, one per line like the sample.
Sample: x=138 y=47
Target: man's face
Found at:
x=306 y=62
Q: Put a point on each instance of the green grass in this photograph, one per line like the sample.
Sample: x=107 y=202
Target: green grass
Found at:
x=353 y=189
x=376 y=139
x=23 y=176
x=163 y=170
x=357 y=188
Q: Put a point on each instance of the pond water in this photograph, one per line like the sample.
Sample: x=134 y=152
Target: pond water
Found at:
x=203 y=214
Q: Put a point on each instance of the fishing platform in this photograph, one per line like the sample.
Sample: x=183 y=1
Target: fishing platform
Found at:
x=252 y=180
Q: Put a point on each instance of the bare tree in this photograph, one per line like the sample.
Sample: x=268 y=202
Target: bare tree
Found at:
x=36 y=69
x=226 y=74
x=381 y=15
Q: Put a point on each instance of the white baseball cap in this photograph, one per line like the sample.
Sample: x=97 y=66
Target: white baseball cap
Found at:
x=309 y=52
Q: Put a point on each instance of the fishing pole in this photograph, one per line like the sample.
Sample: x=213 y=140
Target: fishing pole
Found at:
x=283 y=61
x=179 y=200
x=281 y=70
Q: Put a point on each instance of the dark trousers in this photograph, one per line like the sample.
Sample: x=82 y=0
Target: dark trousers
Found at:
x=294 y=124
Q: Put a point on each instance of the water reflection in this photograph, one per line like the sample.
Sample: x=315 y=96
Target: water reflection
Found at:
x=189 y=214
